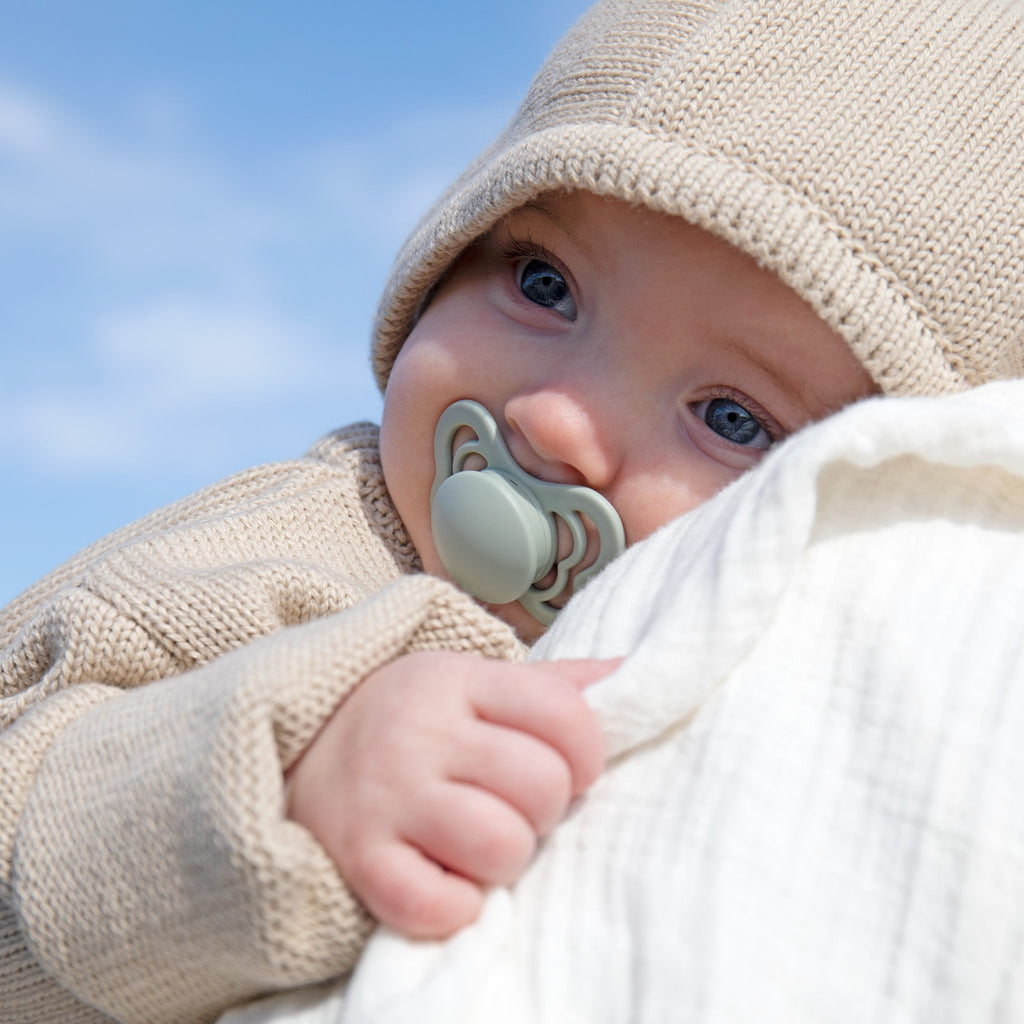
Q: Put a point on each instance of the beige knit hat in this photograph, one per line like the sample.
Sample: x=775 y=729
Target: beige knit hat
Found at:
x=869 y=152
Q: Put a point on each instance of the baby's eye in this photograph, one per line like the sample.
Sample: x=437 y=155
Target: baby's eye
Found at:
x=542 y=284
x=733 y=423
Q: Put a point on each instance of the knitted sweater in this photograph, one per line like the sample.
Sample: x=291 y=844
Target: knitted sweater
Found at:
x=152 y=693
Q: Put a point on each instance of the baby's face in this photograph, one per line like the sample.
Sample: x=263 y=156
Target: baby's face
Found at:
x=616 y=348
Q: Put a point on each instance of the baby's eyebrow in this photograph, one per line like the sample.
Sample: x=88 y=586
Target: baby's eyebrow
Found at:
x=798 y=388
x=540 y=206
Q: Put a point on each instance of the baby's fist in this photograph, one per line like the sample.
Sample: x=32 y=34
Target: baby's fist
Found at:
x=438 y=775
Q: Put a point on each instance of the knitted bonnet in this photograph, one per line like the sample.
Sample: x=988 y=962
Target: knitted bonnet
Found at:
x=869 y=152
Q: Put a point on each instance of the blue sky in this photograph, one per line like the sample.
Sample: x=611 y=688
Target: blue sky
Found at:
x=199 y=202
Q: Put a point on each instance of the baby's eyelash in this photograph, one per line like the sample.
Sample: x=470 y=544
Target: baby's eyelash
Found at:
x=513 y=249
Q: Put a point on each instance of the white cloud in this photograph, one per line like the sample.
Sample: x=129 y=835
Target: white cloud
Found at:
x=191 y=352
x=123 y=204
x=171 y=371
x=75 y=432
x=27 y=126
x=385 y=182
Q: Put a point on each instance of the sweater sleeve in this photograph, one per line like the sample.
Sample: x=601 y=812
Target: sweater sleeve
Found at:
x=147 y=871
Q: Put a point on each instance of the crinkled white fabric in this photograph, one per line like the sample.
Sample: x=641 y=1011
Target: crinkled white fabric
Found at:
x=814 y=807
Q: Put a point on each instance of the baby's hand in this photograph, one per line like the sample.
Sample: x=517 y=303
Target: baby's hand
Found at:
x=438 y=775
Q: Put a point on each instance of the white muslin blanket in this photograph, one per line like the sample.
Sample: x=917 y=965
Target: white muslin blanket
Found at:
x=814 y=807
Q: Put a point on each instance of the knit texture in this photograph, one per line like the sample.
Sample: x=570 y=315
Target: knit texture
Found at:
x=870 y=154
x=147 y=872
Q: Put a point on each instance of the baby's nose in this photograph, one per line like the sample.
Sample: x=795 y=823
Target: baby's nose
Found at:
x=566 y=438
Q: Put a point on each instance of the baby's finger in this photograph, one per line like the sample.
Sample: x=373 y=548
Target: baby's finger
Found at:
x=583 y=672
x=519 y=769
x=407 y=891
x=537 y=699
x=471 y=832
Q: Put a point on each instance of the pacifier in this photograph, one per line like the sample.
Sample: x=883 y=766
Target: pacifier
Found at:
x=495 y=528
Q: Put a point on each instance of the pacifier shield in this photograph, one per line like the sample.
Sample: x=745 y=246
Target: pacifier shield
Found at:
x=492 y=537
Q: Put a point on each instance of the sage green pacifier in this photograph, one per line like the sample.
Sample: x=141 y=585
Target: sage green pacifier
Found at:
x=494 y=528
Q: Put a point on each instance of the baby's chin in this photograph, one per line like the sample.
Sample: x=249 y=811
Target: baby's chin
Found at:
x=527 y=628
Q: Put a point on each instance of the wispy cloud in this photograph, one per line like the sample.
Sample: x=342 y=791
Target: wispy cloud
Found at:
x=201 y=351
x=171 y=370
x=385 y=182
x=176 y=292
x=27 y=126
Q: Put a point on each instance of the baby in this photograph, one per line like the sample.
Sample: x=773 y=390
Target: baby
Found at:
x=620 y=350
x=235 y=727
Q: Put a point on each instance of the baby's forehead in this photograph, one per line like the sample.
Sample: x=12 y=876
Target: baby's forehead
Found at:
x=574 y=211
x=600 y=226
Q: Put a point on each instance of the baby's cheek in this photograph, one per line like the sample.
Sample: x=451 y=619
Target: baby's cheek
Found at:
x=655 y=501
